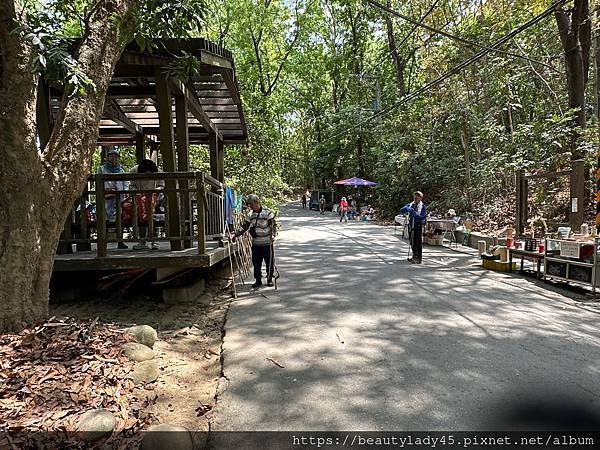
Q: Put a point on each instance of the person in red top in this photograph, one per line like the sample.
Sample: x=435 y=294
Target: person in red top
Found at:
x=344 y=210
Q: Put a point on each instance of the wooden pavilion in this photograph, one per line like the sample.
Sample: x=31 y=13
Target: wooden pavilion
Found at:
x=148 y=109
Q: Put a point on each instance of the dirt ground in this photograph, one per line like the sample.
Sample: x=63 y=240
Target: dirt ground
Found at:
x=187 y=351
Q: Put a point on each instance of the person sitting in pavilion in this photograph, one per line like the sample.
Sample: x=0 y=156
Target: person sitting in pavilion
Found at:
x=112 y=189
x=147 y=202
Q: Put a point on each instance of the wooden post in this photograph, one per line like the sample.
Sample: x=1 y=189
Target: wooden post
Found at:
x=83 y=220
x=140 y=152
x=598 y=182
x=167 y=145
x=134 y=217
x=119 y=218
x=577 y=190
x=100 y=215
x=213 y=141
x=200 y=218
x=220 y=160
x=522 y=197
x=183 y=162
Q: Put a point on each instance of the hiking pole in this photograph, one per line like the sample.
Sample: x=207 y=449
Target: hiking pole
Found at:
x=237 y=263
x=410 y=242
x=226 y=234
x=273 y=267
x=237 y=257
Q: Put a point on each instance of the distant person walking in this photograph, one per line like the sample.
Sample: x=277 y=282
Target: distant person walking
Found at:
x=417 y=213
x=344 y=210
x=261 y=223
x=303 y=201
x=322 y=204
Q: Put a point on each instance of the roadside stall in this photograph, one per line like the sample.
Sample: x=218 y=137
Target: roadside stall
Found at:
x=573 y=258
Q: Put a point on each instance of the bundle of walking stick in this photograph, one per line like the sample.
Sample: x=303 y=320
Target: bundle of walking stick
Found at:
x=243 y=255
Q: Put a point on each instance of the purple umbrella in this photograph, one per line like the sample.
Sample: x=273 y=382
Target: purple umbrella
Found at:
x=354 y=181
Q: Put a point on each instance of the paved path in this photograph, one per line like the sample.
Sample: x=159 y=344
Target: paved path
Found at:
x=371 y=342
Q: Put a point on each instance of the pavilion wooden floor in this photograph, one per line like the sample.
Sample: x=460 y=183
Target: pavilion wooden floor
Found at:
x=130 y=258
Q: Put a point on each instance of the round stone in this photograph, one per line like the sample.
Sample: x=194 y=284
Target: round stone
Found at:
x=96 y=424
x=144 y=372
x=164 y=436
x=144 y=334
x=137 y=352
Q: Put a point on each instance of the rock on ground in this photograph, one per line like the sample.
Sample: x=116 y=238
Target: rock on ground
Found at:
x=96 y=424
x=137 y=352
x=144 y=334
x=144 y=372
x=166 y=436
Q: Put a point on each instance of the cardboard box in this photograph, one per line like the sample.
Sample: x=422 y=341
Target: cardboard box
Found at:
x=498 y=266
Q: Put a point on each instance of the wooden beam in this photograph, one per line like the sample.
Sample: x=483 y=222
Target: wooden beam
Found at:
x=167 y=145
x=145 y=59
x=183 y=161
x=140 y=151
x=113 y=112
x=194 y=105
x=214 y=155
x=217 y=157
x=210 y=102
x=221 y=161
x=133 y=92
x=214 y=60
x=229 y=78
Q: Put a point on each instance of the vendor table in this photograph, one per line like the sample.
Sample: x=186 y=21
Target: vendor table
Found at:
x=534 y=256
x=440 y=224
x=446 y=226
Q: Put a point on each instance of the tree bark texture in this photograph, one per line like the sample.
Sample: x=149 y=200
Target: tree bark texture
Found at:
x=399 y=63
x=38 y=187
x=574 y=28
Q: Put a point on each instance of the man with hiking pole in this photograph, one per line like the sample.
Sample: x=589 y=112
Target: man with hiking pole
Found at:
x=261 y=224
x=417 y=214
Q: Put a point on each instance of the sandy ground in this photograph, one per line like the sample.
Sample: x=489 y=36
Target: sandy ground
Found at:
x=187 y=350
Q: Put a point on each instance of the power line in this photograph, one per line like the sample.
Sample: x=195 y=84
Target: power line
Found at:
x=453 y=71
x=415 y=26
x=457 y=38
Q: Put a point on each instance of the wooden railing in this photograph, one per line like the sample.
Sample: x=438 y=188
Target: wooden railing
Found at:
x=186 y=209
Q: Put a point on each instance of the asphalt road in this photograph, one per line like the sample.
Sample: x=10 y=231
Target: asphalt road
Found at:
x=371 y=342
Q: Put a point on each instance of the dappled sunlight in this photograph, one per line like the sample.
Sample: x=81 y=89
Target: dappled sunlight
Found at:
x=369 y=341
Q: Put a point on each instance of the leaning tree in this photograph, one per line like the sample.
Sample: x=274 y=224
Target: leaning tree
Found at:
x=75 y=44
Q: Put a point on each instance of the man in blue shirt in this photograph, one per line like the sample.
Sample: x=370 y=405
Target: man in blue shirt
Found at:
x=417 y=214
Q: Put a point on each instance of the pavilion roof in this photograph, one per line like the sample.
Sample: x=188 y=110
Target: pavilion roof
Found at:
x=212 y=96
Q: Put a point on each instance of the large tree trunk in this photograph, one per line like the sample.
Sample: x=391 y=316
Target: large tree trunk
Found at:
x=38 y=188
x=574 y=28
x=21 y=243
x=465 y=142
x=399 y=63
